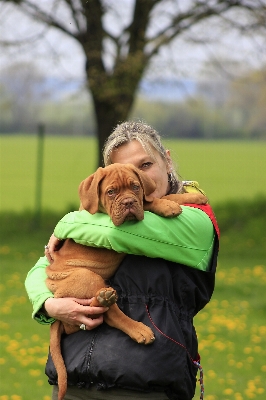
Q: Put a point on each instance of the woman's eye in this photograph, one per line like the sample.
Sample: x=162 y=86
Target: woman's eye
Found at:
x=146 y=165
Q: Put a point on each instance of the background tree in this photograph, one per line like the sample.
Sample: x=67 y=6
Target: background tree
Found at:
x=247 y=99
x=119 y=50
x=23 y=93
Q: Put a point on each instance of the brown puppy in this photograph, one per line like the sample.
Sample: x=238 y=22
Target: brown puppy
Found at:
x=123 y=192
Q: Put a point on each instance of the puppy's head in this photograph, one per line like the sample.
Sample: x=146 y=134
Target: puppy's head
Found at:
x=118 y=190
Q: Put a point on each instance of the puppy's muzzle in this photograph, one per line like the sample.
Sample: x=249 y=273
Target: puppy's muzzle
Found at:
x=129 y=203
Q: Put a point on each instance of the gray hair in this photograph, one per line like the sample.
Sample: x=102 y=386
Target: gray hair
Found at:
x=149 y=139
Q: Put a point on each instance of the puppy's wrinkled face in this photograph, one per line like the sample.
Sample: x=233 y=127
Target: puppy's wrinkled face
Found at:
x=121 y=196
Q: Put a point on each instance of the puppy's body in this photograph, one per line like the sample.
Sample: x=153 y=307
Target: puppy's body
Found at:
x=123 y=192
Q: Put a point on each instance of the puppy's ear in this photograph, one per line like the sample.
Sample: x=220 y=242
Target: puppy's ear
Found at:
x=89 y=191
x=147 y=184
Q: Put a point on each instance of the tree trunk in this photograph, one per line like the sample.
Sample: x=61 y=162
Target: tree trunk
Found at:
x=107 y=117
x=113 y=94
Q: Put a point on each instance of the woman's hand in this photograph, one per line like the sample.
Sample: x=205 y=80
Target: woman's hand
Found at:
x=75 y=311
x=53 y=245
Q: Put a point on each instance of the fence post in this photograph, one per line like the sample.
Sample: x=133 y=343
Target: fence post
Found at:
x=39 y=176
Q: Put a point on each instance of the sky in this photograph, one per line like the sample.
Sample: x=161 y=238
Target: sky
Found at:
x=61 y=56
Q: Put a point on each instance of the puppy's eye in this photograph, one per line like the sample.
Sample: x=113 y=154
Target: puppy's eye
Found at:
x=111 y=192
x=135 y=187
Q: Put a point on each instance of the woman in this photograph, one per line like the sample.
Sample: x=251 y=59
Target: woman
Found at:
x=167 y=278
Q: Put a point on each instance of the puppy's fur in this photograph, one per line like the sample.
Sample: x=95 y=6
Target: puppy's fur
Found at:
x=123 y=192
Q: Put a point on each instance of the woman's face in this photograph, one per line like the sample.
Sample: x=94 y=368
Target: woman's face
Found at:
x=154 y=167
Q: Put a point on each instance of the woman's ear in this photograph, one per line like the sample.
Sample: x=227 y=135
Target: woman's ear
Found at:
x=169 y=161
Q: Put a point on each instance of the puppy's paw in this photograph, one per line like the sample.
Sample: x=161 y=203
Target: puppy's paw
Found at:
x=106 y=297
x=194 y=198
x=142 y=334
x=170 y=209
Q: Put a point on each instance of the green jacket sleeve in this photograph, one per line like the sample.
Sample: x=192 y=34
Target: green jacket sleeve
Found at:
x=187 y=239
x=38 y=291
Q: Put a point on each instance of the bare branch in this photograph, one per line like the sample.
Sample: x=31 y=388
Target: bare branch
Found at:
x=201 y=11
x=36 y=13
x=76 y=13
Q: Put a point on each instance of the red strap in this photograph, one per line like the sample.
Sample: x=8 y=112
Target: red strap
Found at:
x=208 y=210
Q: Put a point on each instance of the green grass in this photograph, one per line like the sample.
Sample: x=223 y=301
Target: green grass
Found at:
x=225 y=169
x=67 y=161
x=231 y=329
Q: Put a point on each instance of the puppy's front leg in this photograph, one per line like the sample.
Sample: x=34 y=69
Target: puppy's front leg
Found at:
x=139 y=332
x=163 y=207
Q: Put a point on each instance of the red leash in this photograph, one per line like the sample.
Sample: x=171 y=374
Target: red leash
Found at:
x=196 y=363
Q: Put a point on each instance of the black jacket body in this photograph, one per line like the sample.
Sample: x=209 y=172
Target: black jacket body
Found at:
x=163 y=295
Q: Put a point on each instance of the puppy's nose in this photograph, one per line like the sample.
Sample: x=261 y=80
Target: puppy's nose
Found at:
x=128 y=202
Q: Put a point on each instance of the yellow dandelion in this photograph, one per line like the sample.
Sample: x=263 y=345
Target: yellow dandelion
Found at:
x=6 y=310
x=228 y=391
x=35 y=372
x=18 y=335
x=250 y=395
x=225 y=303
x=256 y=339
x=247 y=350
x=4 y=338
x=16 y=397
x=39 y=382
x=219 y=345
x=4 y=397
x=211 y=373
x=244 y=304
x=263 y=368
x=42 y=360
x=35 y=338
x=13 y=345
x=258 y=270
x=22 y=352
x=2 y=361
x=260 y=390
x=4 y=325
x=250 y=360
x=4 y=250
x=12 y=370
x=262 y=330
x=251 y=385
x=24 y=362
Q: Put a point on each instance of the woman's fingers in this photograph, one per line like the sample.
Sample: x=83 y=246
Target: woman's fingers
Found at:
x=53 y=245
x=71 y=311
x=91 y=323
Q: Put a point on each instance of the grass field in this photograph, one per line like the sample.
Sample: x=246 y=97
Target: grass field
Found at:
x=231 y=329
x=225 y=170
